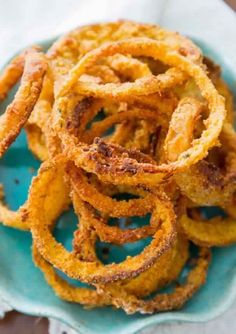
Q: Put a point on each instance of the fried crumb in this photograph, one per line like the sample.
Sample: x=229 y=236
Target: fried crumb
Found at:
x=16 y=181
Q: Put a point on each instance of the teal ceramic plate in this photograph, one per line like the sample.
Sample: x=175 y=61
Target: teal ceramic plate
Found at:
x=24 y=288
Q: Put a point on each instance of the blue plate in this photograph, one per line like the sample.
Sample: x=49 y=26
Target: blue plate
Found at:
x=24 y=288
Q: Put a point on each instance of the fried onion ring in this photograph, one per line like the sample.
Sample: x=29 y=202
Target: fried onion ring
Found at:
x=19 y=110
x=217 y=231
x=56 y=254
x=164 y=302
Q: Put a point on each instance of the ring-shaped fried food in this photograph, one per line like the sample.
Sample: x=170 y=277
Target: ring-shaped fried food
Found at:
x=13 y=71
x=112 y=234
x=167 y=301
x=214 y=232
x=64 y=290
x=105 y=204
x=181 y=127
x=152 y=174
x=59 y=203
x=56 y=254
x=19 y=110
x=98 y=128
x=130 y=121
x=15 y=219
x=165 y=270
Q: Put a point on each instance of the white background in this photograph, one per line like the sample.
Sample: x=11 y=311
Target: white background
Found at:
x=25 y=22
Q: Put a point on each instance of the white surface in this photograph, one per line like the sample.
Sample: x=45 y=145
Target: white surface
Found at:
x=24 y=22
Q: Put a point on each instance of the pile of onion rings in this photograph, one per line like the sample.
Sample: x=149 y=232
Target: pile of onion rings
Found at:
x=131 y=123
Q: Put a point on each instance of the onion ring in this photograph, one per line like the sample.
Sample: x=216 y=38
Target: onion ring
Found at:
x=90 y=298
x=214 y=232
x=200 y=147
x=164 y=302
x=19 y=110
x=67 y=262
x=104 y=203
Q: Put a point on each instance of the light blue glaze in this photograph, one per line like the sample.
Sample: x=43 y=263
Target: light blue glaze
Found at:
x=24 y=288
